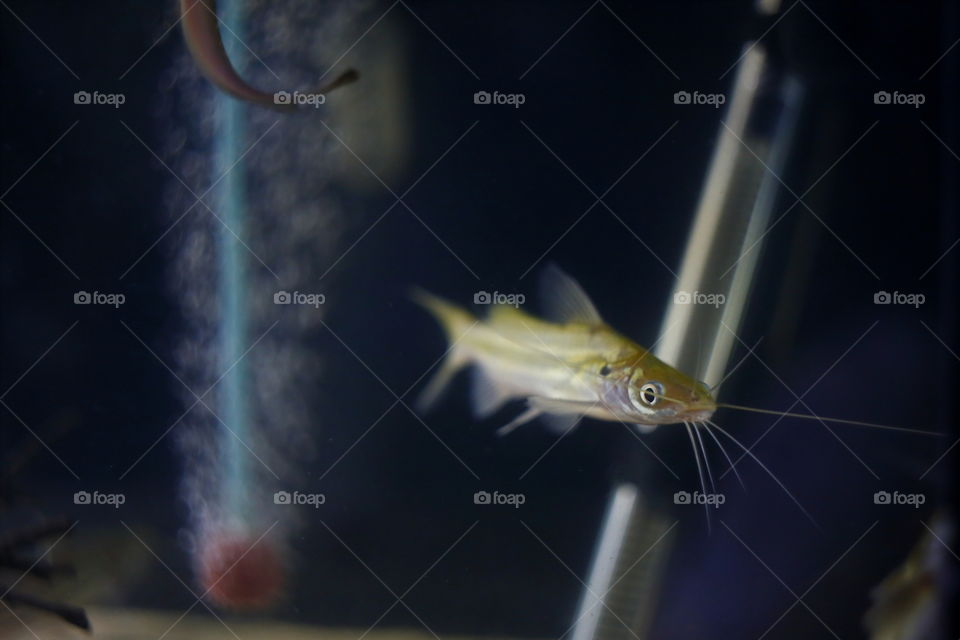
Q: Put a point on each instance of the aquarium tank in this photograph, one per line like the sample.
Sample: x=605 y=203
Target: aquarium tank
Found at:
x=413 y=319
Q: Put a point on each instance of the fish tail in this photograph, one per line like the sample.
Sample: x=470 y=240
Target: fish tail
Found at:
x=454 y=319
x=456 y=322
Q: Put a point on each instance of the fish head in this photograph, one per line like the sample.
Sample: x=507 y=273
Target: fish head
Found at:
x=660 y=394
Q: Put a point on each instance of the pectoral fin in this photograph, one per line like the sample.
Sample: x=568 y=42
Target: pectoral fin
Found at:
x=529 y=414
x=559 y=415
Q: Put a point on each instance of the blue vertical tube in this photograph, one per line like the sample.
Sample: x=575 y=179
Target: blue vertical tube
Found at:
x=228 y=147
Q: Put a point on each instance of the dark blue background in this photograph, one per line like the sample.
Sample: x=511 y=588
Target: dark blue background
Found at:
x=499 y=200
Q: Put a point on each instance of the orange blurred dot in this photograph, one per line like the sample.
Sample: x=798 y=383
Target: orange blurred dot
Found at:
x=241 y=573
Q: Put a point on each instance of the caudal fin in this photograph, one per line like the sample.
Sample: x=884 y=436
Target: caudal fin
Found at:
x=456 y=322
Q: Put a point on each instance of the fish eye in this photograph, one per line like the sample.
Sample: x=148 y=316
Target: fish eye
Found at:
x=650 y=393
x=605 y=370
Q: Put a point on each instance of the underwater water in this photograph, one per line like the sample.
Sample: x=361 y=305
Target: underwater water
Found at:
x=211 y=357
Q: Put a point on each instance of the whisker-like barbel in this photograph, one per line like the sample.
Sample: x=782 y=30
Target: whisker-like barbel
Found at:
x=703 y=485
x=706 y=460
x=807 y=416
x=768 y=472
x=706 y=427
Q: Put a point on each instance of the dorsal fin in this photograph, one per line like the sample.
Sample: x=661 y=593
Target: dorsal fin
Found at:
x=564 y=300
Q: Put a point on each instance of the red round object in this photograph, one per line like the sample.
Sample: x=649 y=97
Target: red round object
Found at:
x=241 y=573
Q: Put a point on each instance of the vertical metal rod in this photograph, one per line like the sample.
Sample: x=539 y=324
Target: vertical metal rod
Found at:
x=722 y=256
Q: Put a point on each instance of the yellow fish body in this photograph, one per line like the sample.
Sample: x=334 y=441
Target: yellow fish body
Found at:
x=567 y=367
